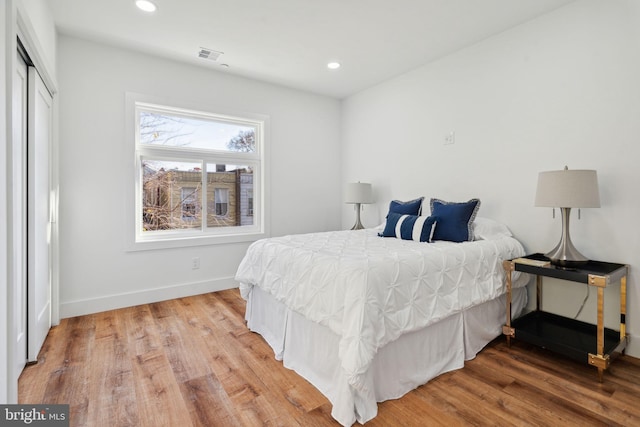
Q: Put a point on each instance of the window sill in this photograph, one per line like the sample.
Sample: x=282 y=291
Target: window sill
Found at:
x=191 y=241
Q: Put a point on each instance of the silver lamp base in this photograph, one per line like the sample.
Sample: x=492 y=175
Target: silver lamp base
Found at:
x=358 y=225
x=565 y=254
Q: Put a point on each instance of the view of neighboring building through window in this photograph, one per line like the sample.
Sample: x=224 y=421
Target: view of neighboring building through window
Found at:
x=190 y=201
x=249 y=201
x=222 y=201
x=195 y=165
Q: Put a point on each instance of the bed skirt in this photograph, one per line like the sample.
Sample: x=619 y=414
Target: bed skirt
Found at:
x=413 y=359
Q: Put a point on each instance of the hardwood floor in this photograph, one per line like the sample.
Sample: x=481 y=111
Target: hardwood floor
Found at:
x=192 y=361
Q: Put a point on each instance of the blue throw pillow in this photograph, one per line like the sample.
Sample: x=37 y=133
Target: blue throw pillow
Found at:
x=454 y=219
x=409 y=227
x=412 y=207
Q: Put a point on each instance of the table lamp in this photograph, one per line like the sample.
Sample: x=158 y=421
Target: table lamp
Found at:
x=358 y=193
x=566 y=189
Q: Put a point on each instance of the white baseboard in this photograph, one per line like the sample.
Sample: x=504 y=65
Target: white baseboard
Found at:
x=129 y=299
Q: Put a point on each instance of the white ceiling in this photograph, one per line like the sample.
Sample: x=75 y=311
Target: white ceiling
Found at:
x=289 y=42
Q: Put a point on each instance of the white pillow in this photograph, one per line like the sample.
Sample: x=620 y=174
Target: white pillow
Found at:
x=488 y=229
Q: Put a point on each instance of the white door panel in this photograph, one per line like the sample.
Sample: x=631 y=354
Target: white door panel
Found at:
x=38 y=230
x=19 y=214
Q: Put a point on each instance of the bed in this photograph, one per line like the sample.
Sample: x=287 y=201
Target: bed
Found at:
x=366 y=318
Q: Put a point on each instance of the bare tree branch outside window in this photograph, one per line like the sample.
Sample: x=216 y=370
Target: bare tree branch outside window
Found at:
x=244 y=142
x=162 y=130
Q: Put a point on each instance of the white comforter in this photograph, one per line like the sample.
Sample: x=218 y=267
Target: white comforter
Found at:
x=370 y=290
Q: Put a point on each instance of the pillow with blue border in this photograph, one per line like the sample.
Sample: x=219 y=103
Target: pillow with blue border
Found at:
x=409 y=227
x=411 y=207
x=455 y=219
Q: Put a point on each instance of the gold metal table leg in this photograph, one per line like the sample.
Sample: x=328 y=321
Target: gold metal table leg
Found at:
x=600 y=330
x=507 y=330
x=623 y=309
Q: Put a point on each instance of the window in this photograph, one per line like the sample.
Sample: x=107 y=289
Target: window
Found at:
x=194 y=171
x=190 y=201
x=249 y=202
x=222 y=201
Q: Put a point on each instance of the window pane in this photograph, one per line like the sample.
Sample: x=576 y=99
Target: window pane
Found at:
x=249 y=201
x=171 y=196
x=227 y=190
x=189 y=203
x=161 y=129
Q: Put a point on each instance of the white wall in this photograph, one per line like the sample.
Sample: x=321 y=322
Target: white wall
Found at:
x=96 y=273
x=560 y=90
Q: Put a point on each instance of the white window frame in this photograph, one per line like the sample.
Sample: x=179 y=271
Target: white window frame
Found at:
x=135 y=238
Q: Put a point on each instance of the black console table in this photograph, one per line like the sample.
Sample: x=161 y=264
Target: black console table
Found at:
x=585 y=342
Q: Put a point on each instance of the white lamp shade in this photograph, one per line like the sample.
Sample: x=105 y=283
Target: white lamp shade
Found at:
x=358 y=192
x=568 y=189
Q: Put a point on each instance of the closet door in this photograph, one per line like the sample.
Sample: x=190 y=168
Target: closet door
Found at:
x=19 y=213
x=39 y=227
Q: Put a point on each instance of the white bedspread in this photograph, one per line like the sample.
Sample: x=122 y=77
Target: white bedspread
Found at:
x=370 y=290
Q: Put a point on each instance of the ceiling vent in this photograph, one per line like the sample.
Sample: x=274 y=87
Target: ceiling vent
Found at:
x=209 y=54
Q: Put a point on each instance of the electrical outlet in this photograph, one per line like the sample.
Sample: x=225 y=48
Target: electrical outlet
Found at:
x=195 y=263
x=450 y=138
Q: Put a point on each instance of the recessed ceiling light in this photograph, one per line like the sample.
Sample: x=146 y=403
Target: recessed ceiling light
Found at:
x=146 y=5
x=333 y=65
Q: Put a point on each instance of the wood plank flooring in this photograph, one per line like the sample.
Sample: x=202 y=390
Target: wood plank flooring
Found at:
x=192 y=361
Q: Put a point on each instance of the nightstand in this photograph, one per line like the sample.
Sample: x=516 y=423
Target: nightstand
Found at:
x=585 y=342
